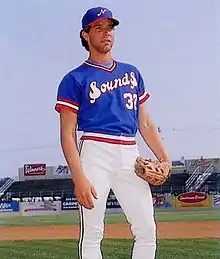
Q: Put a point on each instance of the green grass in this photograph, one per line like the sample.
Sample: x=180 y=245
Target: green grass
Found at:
x=205 y=215
x=112 y=249
x=61 y=219
x=66 y=219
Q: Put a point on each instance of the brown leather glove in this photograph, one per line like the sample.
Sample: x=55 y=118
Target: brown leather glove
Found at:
x=152 y=171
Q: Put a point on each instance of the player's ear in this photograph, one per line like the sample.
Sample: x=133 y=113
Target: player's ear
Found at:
x=85 y=35
x=84 y=42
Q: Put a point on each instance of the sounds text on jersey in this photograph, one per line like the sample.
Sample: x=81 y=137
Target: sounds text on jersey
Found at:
x=96 y=91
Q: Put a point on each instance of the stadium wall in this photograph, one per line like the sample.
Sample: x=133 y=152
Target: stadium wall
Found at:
x=11 y=208
x=185 y=201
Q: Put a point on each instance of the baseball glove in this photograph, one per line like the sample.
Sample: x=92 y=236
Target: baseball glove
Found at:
x=152 y=171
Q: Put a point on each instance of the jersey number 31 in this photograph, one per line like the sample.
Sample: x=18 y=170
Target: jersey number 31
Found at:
x=131 y=101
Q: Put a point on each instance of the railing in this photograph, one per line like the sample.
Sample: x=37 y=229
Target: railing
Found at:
x=202 y=178
x=192 y=178
x=6 y=185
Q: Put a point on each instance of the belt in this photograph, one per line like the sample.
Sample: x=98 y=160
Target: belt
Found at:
x=111 y=139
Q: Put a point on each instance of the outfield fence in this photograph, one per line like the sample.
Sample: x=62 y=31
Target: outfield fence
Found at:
x=188 y=200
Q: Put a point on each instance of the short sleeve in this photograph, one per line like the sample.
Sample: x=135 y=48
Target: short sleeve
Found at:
x=68 y=95
x=143 y=94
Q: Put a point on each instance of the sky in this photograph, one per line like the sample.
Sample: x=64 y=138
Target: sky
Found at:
x=174 y=44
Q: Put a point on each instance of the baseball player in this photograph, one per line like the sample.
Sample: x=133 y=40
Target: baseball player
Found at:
x=105 y=99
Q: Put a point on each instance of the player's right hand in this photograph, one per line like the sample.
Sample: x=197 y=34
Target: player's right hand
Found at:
x=85 y=192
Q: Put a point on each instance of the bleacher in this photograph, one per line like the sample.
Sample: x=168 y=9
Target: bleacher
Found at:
x=65 y=188
x=41 y=188
x=212 y=184
x=174 y=185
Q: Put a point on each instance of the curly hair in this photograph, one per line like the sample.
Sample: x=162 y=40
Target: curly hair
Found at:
x=83 y=41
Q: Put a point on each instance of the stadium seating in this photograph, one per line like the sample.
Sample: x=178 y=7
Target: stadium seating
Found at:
x=174 y=185
x=213 y=184
x=65 y=188
x=40 y=188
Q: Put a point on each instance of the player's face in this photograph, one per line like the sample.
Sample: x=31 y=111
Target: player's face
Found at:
x=101 y=36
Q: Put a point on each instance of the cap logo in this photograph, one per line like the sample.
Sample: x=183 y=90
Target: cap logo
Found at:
x=101 y=12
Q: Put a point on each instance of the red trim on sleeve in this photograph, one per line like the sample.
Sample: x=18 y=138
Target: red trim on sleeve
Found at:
x=68 y=101
x=143 y=98
x=58 y=107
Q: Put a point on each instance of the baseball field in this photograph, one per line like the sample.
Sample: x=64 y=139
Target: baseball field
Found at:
x=181 y=235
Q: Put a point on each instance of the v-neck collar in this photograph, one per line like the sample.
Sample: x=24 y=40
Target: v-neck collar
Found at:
x=111 y=69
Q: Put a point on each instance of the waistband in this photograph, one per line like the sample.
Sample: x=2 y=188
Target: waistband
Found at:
x=111 y=139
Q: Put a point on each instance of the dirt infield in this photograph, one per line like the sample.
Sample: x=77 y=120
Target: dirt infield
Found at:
x=205 y=229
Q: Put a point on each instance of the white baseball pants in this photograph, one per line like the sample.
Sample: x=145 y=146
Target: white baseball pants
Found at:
x=112 y=166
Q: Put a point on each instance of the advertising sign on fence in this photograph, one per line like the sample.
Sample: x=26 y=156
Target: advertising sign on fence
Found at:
x=69 y=204
x=178 y=164
x=192 y=199
x=112 y=202
x=162 y=201
x=12 y=206
x=61 y=171
x=40 y=208
x=216 y=201
x=34 y=169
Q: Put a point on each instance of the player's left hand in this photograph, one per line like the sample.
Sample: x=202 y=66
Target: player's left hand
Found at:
x=153 y=171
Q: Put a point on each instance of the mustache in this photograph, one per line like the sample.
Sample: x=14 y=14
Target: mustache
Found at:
x=106 y=40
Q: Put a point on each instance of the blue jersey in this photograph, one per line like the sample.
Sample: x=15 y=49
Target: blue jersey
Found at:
x=106 y=100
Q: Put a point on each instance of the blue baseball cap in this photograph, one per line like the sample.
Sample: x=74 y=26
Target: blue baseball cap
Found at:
x=96 y=14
